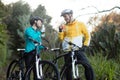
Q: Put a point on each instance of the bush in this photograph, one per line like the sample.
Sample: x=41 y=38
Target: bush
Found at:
x=104 y=69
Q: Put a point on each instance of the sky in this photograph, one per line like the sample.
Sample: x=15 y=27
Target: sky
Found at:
x=79 y=7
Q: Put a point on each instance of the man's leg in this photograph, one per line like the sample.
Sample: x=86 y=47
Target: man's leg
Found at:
x=81 y=56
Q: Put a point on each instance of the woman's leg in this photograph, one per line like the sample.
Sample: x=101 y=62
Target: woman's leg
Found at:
x=29 y=59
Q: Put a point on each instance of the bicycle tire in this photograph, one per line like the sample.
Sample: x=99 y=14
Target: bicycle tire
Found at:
x=81 y=66
x=50 y=71
x=13 y=71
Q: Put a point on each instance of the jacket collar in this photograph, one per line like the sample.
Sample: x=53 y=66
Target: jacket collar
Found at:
x=72 y=22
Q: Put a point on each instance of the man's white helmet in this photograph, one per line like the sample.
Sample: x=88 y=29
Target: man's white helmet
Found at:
x=66 y=11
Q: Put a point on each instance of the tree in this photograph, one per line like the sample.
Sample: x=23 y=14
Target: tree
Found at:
x=4 y=11
x=106 y=37
x=18 y=9
x=3 y=44
x=23 y=22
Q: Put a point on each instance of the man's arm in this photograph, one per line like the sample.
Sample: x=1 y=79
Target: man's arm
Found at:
x=86 y=35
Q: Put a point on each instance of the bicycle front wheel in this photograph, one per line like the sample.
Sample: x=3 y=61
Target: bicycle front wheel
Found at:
x=47 y=71
x=82 y=71
x=14 y=72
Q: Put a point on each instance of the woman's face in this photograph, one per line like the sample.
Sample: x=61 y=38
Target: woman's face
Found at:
x=39 y=23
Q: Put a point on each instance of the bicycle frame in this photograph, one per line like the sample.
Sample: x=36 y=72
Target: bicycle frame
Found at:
x=74 y=67
x=75 y=70
x=37 y=59
x=38 y=67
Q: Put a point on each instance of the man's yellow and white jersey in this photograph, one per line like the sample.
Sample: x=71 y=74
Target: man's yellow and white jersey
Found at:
x=74 y=32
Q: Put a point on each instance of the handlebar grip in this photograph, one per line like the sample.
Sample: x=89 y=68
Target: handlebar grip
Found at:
x=20 y=49
x=55 y=49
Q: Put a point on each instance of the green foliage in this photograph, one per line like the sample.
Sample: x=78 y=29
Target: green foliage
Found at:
x=20 y=8
x=104 y=69
x=13 y=22
x=106 y=41
x=23 y=22
x=41 y=11
x=3 y=10
x=18 y=20
x=3 y=44
x=3 y=34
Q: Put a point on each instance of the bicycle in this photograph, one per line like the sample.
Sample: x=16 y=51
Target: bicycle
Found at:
x=77 y=66
x=16 y=68
x=45 y=70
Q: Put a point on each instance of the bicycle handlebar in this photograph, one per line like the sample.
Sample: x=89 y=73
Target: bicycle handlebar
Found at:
x=70 y=43
x=54 y=49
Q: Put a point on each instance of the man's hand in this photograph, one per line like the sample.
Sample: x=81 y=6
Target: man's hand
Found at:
x=61 y=28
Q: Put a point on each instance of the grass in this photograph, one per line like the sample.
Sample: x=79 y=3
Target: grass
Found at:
x=104 y=69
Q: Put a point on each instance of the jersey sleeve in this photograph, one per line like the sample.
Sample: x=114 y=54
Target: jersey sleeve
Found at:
x=86 y=35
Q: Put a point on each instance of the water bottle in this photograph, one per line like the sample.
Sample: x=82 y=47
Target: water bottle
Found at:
x=43 y=31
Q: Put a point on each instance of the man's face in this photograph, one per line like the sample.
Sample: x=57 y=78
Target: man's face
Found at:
x=67 y=17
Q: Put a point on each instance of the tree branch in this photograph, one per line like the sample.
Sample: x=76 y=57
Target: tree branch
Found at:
x=109 y=9
x=98 y=10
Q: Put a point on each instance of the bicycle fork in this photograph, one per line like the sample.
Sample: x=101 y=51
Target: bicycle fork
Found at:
x=75 y=70
x=38 y=69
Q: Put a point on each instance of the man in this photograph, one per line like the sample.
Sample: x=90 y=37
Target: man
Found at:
x=74 y=32
x=32 y=32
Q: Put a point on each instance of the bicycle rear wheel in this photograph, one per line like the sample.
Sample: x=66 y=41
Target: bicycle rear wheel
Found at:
x=81 y=71
x=14 y=72
x=49 y=71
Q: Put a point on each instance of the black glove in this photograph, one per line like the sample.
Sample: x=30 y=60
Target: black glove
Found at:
x=45 y=48
x=84 y=48
x=61 y=28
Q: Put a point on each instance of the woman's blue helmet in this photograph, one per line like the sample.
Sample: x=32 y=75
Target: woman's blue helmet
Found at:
x=33 y=19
